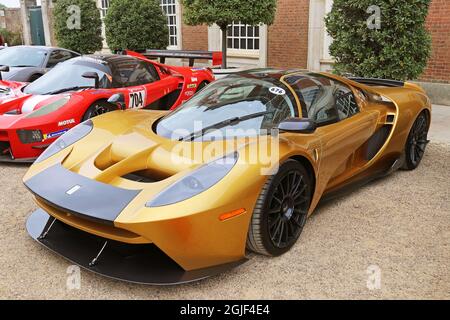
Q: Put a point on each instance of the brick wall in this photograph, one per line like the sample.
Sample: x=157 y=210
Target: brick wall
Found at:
x=438 y=24
x=12 y=20
x=194 y=37
x=288 y=36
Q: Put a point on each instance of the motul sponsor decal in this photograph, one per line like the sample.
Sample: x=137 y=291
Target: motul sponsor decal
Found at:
x=66 y=122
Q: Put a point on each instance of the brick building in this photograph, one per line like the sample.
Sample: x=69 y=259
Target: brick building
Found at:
x=296 y=39
x=439 y=25
x=10 y=20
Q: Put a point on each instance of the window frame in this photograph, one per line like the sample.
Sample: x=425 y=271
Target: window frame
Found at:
x=148 y=66
x=49 y=54
x=304 y=108
x=177 y=25
x=246 y=38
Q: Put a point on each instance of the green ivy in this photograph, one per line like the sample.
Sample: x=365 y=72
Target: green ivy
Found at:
x=398 y=50
x=11 y=38
x=136 y=25
x=86 y=39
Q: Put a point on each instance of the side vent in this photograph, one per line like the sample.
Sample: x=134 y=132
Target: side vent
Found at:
x=390 y=118
x=377 y=141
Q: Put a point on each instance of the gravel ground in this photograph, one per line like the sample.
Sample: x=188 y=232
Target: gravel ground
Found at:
x=400 y=224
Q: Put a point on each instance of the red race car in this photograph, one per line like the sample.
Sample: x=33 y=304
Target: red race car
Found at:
x=33 y=115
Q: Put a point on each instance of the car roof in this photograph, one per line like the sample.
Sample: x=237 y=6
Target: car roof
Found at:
x=46 y=48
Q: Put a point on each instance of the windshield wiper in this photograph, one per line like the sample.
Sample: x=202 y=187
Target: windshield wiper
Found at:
x=68 y=89
x=224 y=124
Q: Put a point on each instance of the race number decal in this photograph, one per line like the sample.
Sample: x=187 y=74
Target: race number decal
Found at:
x=137 y=99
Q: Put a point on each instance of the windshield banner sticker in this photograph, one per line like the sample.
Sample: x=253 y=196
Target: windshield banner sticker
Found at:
x=278 y=91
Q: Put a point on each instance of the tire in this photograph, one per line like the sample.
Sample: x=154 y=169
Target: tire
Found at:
x=98 y=108
x=417 y=142
x=34 y=77
x=278 y=220
x=202 y=86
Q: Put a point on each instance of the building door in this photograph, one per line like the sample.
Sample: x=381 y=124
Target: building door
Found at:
x=37 y=27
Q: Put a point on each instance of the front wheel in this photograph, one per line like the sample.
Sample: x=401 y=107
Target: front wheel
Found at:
x=98 y=108
x=281 y=210
x=417 y=142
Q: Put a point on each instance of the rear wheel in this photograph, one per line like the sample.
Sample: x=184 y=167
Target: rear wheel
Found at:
x=281 y=211
x=98 y=108
x=417 y=142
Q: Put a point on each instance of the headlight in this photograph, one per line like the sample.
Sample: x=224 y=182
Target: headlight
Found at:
x=67 y=139
x=196 y=182
x=49 y=108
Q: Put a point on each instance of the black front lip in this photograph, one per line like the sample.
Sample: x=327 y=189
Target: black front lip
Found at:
x=8 y=159
x=142 y=264
x=92 y=200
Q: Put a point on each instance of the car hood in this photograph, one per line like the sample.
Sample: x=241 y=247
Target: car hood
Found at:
x=124 y=143
x=14 y=101
x=14 y=71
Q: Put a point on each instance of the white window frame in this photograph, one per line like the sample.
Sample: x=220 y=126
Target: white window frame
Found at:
x=103 y=5
x=244 y=58
x=245 y=52
x=177 y=25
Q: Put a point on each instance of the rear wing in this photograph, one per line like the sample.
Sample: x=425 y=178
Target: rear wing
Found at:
x=214 y=56
x=378 y=82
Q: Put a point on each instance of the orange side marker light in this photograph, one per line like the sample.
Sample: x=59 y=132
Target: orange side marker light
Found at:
x=232 y=214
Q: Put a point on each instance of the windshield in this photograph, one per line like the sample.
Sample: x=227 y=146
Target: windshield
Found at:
x=233 y=106
x=22 y=57
x=68 y=75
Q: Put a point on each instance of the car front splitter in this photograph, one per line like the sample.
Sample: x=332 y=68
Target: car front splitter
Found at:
x=143 y=264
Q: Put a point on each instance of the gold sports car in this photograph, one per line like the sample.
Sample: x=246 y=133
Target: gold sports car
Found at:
x=165 y=198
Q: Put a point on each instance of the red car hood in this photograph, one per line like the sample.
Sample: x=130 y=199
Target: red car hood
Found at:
x=14 y=101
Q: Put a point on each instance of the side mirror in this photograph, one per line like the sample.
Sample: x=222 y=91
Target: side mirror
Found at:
x=3 y=69
x=298 y=125
x=92 y=75
x=118 y=100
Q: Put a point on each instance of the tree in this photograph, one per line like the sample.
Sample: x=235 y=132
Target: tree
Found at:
x=225 y=12
x=78 y=25
x=136 y=25
x=394 y=45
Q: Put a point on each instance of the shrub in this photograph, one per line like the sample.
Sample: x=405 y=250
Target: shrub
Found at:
x=11 y=38
x=399 y=49
x=136 y=25
x=84 y=37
